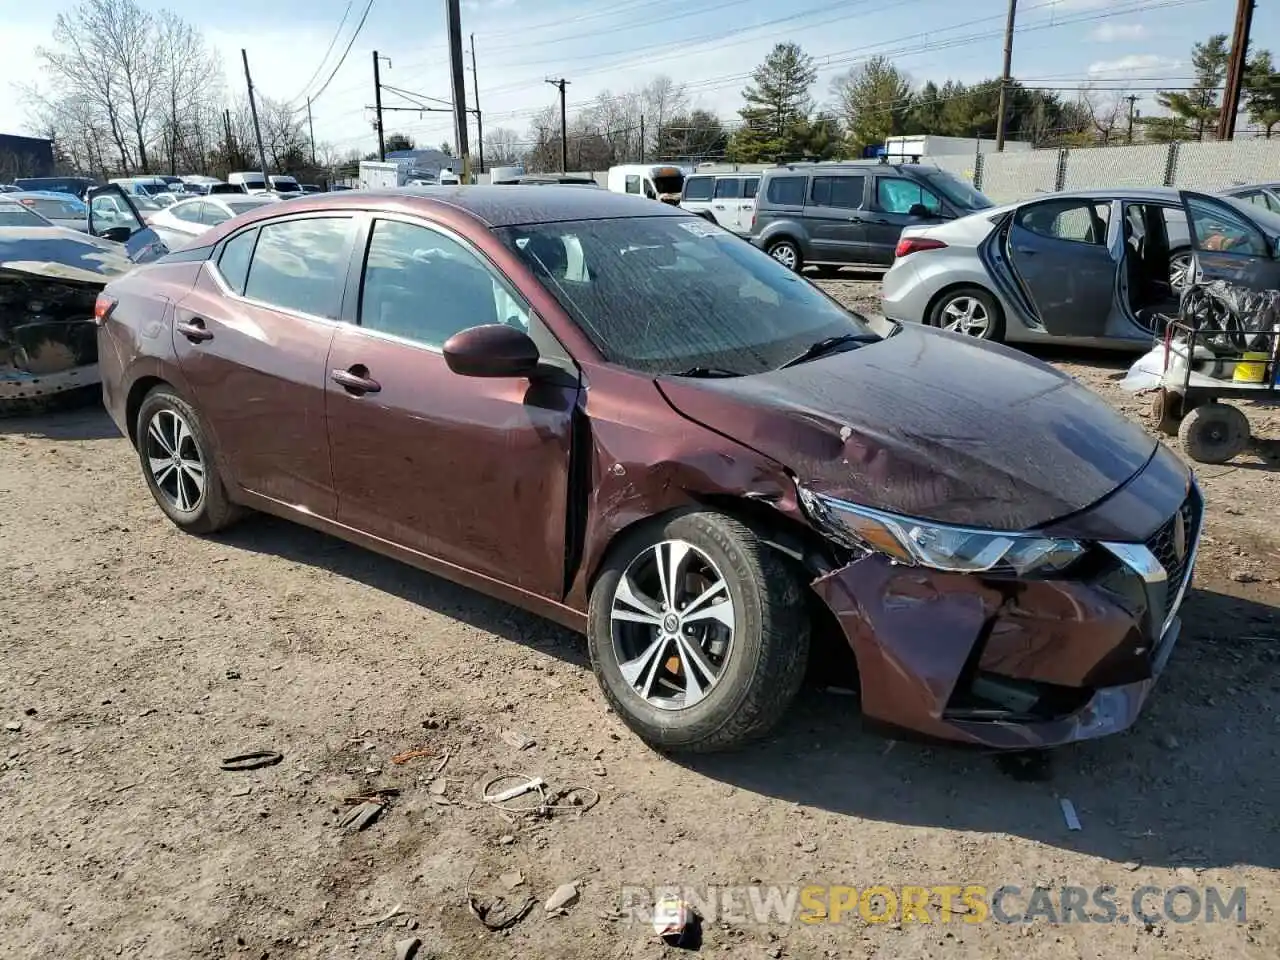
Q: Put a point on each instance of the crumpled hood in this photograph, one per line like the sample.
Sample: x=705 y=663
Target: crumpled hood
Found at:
x=930 y=425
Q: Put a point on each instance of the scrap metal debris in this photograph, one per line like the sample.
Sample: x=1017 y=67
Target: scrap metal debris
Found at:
x=362 y=816
x=252 y=761
x=517 y=740
x=548 y=803
x=497 y=914
x=397 y=911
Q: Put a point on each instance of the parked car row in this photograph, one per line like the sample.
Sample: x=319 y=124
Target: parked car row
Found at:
x=752 y=463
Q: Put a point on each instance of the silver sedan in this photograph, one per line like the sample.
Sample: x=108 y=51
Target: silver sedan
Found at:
x=1097 y=267
x=187 y=219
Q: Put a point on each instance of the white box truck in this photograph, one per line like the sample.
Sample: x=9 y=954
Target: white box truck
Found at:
x=376 y=175
x=907 y=149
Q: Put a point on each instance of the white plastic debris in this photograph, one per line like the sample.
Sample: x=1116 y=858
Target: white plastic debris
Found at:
x=1069 y=814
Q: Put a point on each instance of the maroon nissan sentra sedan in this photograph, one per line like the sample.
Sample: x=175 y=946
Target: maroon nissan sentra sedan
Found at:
x=619 y=416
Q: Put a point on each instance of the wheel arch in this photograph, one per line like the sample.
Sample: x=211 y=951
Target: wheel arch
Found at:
x=133 y=403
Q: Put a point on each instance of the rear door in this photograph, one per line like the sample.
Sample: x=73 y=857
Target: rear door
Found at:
x=898 y=202
x=1229 y=245
x=747 y=206
x=252 y=338
x=834 y=213
x=724 y=204
x=1059 y=253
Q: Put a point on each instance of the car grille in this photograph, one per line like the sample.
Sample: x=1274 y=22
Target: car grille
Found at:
x=1164 y=544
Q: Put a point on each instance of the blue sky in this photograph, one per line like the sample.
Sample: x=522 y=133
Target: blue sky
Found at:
x=708 y=44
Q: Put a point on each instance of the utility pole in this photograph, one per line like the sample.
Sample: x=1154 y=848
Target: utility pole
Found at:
x=475 y=86
x=226 y=126
x=1005 y=78
x=253 y=109
x=377 y=107
x=564 y=126
x=1235 y=70
x=311 y=130
x=1133 y=99
x=458 y=72
x=642 y=138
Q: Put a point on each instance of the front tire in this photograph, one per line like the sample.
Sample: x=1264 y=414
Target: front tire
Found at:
x=698 y=633
x=969 y=311
x=787 y=254
x=178 y=464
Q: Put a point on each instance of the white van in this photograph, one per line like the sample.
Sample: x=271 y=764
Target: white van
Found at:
x=727 y=198
x=252 y=181
x=657 y=182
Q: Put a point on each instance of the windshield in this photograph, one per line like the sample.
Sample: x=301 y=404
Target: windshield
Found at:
x=285 y=185
x=669 y=184
x=58 y=209
x=16 y=215
x=662 y=295
x=956 y=190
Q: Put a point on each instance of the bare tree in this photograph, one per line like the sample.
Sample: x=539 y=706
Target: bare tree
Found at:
x=193 y=87
x=661 y=100
x=1106 y=110
x=502 y=147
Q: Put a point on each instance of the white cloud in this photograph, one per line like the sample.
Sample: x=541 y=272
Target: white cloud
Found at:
x=1113 y=32
x=1135 y=64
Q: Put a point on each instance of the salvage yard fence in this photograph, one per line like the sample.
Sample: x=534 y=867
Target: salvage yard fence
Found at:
x=1010 y=177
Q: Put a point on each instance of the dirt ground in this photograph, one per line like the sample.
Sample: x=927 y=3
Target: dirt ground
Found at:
x=136 y=657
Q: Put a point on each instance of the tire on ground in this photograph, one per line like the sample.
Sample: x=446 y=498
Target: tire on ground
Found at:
x=769 y=651
x=214 y=510
x=995 y=323
x=1214 y=433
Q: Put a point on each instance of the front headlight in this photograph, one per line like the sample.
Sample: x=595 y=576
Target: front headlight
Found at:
x=921 y=543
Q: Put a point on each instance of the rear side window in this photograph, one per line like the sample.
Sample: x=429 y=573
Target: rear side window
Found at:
x=1080 y=221
x=190 y=212
x=633 y=183
x=845 y=192
x=233 y=264
x=698 y=188
x=787 y=191
x=730 y=188
x=749 y=187
x=301 y=265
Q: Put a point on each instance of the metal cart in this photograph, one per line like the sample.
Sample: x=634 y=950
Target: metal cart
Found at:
x=1190 y=403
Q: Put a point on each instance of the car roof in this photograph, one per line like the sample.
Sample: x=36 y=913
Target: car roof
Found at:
x=500 y=206
x=42 y=195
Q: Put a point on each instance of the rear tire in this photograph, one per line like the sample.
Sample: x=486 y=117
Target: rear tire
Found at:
x=178 y=464
x=1214 y=433
x=969 y=311
x=787 y=254
x=727 y=673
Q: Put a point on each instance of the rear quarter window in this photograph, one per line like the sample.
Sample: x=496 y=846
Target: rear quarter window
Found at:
x=233 y=263
x=786 y=191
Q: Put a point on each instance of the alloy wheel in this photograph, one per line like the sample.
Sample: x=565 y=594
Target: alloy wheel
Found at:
x=175 y=461
x=673 y=623
x=966 y=315
x=1179 y=270
x=785 y=254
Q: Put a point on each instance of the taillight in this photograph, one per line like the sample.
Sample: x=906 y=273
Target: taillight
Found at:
x=909 y=245
x=102 y=308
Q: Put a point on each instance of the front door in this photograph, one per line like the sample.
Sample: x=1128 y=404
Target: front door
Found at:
x=834 y=213
x=1228 y=245
x=252 y=338
x=1058 y=251
x=113 y=216
x=898 y=203
x=467 y=470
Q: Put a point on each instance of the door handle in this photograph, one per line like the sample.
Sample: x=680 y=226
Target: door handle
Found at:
x=1029 y=251
x=881 y=220
x=719 y=206
x=193 y=329
x=856 y=220
x=355 y=380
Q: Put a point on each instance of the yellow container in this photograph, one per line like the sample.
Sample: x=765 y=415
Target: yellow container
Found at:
x=1252 y=368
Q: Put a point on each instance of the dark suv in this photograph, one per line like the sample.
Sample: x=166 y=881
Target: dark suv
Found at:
x=837 y=214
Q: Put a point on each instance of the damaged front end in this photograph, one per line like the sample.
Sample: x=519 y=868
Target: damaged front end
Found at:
x=49 y=282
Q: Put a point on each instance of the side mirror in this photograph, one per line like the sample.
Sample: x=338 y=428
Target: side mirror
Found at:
x=491 y=350
x=116 y=234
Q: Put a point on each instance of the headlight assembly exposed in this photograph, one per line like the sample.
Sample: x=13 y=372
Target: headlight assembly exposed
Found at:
x=939 y=546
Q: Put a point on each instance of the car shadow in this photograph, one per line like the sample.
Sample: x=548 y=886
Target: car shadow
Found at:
x=79 y=419
x=1189 y=785
x=270 y=535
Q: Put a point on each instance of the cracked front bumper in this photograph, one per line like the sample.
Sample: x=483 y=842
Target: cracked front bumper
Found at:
x=1015 y=664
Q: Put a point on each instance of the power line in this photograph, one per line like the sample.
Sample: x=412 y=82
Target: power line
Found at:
x=359 y=26
x=323 y=60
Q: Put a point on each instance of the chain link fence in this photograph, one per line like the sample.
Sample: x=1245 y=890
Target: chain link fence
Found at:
x=1011 y=177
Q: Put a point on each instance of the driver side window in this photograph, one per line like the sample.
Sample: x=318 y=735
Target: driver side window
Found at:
x=1216 y=227
x=899 y=196
x=424 y=286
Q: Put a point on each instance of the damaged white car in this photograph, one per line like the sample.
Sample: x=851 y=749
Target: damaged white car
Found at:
x=50 y=278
